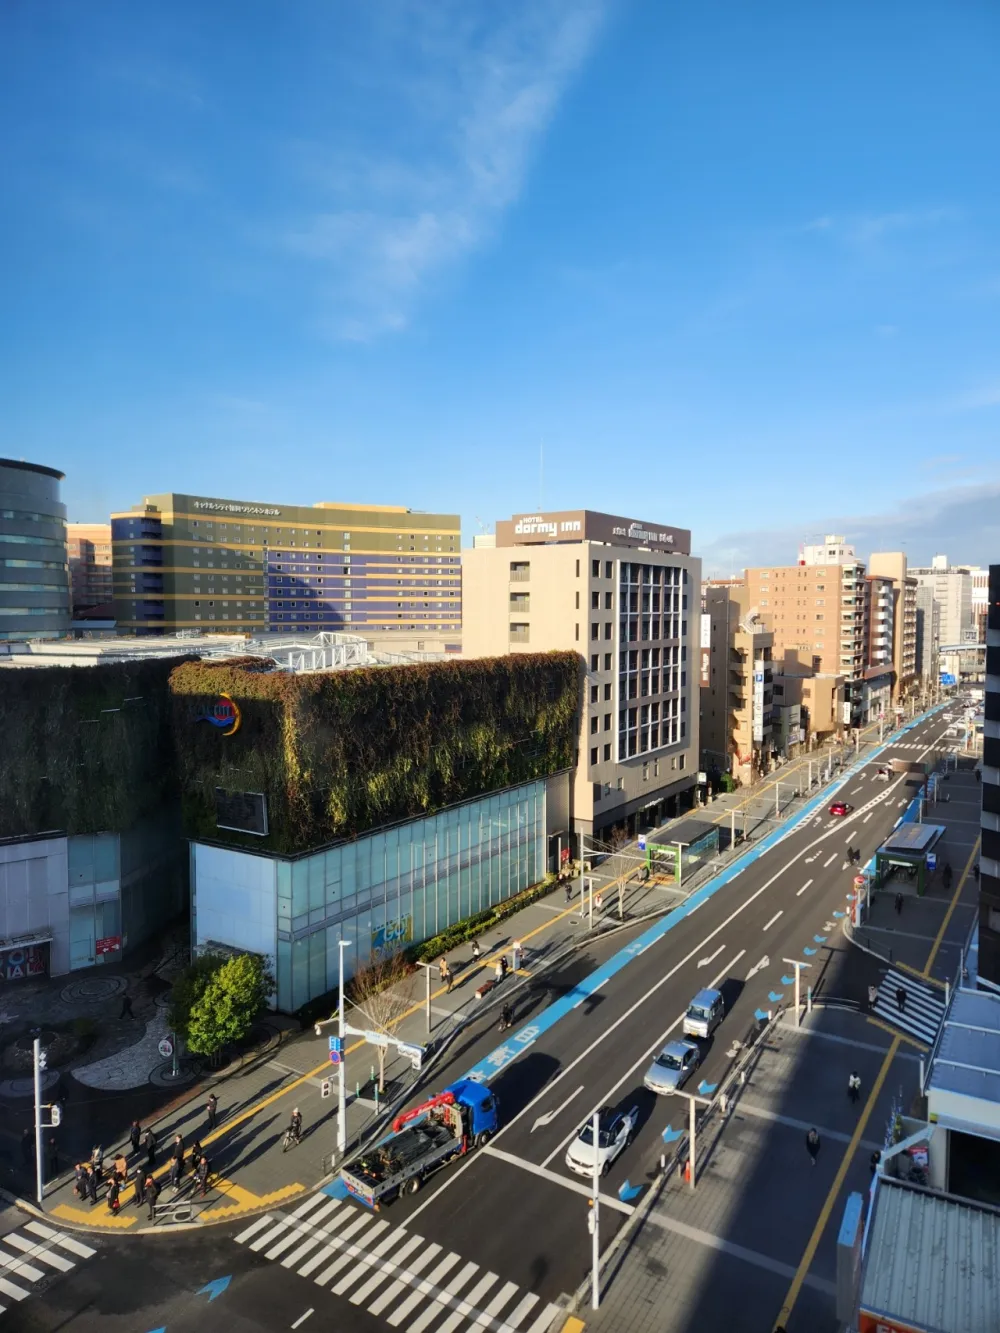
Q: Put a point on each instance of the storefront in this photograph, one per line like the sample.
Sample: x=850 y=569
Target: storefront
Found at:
x=25 y=957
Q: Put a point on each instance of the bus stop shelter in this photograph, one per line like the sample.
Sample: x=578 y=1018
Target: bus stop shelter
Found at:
x=684 y=846
x=908 y=848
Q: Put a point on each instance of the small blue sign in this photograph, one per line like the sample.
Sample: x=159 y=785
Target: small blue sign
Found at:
x=671 y=1135
x=335 y=1044
x=628 y=1191
x=706 y=1089
x=642 y=842
x=774 y=996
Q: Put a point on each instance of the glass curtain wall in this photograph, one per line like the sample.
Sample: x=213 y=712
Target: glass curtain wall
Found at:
x=403 y=885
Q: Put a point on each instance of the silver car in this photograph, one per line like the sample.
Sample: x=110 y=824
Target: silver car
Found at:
x=672 y=1067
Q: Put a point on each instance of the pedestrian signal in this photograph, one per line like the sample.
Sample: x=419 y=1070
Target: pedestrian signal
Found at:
x=325 y=1088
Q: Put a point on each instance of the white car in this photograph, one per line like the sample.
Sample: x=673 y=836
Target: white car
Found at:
x=614 y=1133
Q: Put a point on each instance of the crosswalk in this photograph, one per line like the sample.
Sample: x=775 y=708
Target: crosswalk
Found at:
x=33 y=1252
x=413 y=1283
x=922 y=1012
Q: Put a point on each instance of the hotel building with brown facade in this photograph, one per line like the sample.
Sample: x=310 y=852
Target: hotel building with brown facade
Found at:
x=626 y=596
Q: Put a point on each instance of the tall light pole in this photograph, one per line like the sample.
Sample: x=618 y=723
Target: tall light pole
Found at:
x=39 y=1066
x=798 y=965
x=595 y=1260
x=342 y=1068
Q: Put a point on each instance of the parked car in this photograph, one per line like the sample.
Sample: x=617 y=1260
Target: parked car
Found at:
x=614 y=1133
x=672 y=1067
x=882 y=775
x=841 y=808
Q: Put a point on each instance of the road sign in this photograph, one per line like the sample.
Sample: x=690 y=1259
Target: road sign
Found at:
x=642 y=842
x=932 y=861
x=335 y=1057
x=377 y=1038
x=166 y=1047
x=335 y=1044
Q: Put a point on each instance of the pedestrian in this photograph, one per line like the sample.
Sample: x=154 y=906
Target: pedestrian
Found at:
x=442 y=970
x=177 y=1150
x=195 y=1155
x=211 y=1109
x=975 y=872
x=92 y=1186
x=901 y=999
x=140 y=1189
x=152 y=1193
x=80 y=1183
x=812 y=1145
x=873 y=1162
x=27 y=1148
x=135 y=1135
x=149 y=1143
x=503 y=965
x=126 y=1008
x=872 y=997
x=854 y=1087
x=53 y=1157
x=114 y=1189
x=475 y=951
x=899 y=904
x=174 y=1175
x=97 y=1161
x=498 y=970
x=121 y=1166
x=203 y=1169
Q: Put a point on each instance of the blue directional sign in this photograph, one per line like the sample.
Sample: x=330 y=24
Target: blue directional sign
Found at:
x=671 y=1135
x=787 y=981
x=706 y=1089
x=335 y=1043
x=628 y=1191
x=839 y=915
x=774 y=996
x=760 y=1015
x=819 y=939
x=809 y=952
x=215 y=1288
x=336 y=1050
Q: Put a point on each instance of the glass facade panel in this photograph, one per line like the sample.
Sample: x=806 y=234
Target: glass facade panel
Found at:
x=403 y=885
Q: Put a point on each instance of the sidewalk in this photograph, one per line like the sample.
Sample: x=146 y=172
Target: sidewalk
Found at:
x=249 y=1170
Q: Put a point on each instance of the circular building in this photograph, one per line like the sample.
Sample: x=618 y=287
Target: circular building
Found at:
x=34 y=573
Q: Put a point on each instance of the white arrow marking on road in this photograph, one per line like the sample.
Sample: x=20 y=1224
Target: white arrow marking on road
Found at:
x=801 y=891
x=811 y=859
x=549 y=1116
x=846 y=865
x=773 y=919
x=763 y=962
x=704 y=962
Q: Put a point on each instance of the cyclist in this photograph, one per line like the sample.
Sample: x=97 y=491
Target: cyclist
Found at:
x=295 y=1125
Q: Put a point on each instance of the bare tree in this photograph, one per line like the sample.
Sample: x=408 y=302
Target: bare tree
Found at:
x=382 y=992
x=621 y=863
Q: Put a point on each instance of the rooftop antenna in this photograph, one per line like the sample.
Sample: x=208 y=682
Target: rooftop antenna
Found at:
x=541 y=474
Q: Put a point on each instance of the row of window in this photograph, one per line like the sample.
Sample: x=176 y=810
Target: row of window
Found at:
x=18 y=540
x=633 y=574
x=644 y=628
x=26 y=516
x=33 y=564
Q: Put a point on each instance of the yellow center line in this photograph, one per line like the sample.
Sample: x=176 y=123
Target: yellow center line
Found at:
x=951 y=907
x=810 y=1252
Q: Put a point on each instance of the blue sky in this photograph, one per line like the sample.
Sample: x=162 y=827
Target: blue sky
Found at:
x=733 y=267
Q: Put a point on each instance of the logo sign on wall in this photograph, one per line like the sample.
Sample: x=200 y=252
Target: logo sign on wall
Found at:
x=393 y=935
x=758 y=701
x=224 y=715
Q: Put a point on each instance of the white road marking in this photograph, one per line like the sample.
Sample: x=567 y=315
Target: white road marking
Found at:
x=867 y=816
x=704 y=962
x=800 y=892
x=829 y=860
x=774 y=918
x=303 y=1317
x=549 y=1116
x=849 y=837
x=568 y=1182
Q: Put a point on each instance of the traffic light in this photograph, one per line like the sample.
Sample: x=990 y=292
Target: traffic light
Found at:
x=43 y=1061
x=325 y=1089
x=55 y=1111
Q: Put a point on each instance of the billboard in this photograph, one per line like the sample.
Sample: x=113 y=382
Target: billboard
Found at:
x=241 y=811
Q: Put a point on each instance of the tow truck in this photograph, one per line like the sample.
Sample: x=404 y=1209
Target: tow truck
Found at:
x=465 y=1115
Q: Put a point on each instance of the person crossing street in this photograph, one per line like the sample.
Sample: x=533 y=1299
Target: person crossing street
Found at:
x=812 y=1146
x=854 y=1087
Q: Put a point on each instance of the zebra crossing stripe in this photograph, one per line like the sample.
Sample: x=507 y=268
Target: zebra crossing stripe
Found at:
x=423 y=1288
x=10 y=1289
x=545 y=1319
x=69 y=1243
x=437 y=1306
x=253 y=1228
x=396 y=1287
x=496 y=1305
x=367 y=1288
x=36 y=1251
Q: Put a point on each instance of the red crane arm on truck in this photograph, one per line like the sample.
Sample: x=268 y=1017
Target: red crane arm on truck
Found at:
x=442 y=1099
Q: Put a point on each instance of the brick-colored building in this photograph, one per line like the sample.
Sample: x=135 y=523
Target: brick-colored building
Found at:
x=89 y=549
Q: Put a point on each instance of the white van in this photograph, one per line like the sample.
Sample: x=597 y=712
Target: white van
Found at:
x=705 y=1012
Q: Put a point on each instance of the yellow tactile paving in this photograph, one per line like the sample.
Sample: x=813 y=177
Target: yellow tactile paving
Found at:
x=98 y=1217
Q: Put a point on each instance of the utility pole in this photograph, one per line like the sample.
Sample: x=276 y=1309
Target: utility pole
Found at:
x=342 y=1068
x=798 y=965
x=777 y=799
x=427 y=1003
x=39 y=1066
x=692 y=1122
x=595 y=1274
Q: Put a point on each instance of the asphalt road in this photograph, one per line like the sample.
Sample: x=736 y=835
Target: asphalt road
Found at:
x=498 y=1240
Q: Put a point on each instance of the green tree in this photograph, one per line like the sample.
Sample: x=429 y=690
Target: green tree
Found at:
x=190 y=987
x=229 y=1005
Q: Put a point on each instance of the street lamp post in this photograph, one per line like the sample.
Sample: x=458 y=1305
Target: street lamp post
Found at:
x=39 y=1066
x=427 y=973
x=798 y=965
x=342 y=1067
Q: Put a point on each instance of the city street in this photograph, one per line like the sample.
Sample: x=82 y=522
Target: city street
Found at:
x=500 y=1240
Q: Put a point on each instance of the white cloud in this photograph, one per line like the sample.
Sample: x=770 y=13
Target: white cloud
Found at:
x=476 y=91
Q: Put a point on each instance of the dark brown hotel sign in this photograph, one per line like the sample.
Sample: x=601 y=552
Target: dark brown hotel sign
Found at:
x=578 y=525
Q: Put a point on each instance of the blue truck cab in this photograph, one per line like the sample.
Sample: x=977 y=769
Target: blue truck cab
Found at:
x=480 y=1108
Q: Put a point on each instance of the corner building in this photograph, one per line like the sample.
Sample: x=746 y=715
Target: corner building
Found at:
x=195 y=562
x=34 y=573
x=625 y=595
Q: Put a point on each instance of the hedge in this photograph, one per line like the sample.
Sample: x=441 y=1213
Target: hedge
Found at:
x=340 y=753
x=474 y=926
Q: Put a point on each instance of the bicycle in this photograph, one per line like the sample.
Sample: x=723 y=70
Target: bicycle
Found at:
x=291 y=1140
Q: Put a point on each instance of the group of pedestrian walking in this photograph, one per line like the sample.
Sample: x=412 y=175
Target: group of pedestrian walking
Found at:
x=813 y=1143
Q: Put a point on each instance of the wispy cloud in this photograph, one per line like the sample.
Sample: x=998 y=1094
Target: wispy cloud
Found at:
x=476 y=91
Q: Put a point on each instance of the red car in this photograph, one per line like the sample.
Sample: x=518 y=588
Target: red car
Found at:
x=841 y=808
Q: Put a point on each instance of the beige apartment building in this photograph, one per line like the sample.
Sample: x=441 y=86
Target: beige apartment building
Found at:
x=88 y=546
x=735 y=676
x=892 y=565
x=816 y=610
x=625 y=595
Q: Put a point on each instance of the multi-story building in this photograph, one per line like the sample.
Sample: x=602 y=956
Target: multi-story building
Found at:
x=989 y=863
x=951 y=588
x=928 y=635
x=736 y=683
x=816 y=610
x=34 y=577
x=879 y=667
x=192 y=562
x=624 y=595
x=892 y=565
x=980 y=601
x=812 y=701
x=89 y=548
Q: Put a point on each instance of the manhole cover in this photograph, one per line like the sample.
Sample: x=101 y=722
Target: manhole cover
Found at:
x=91 y=990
